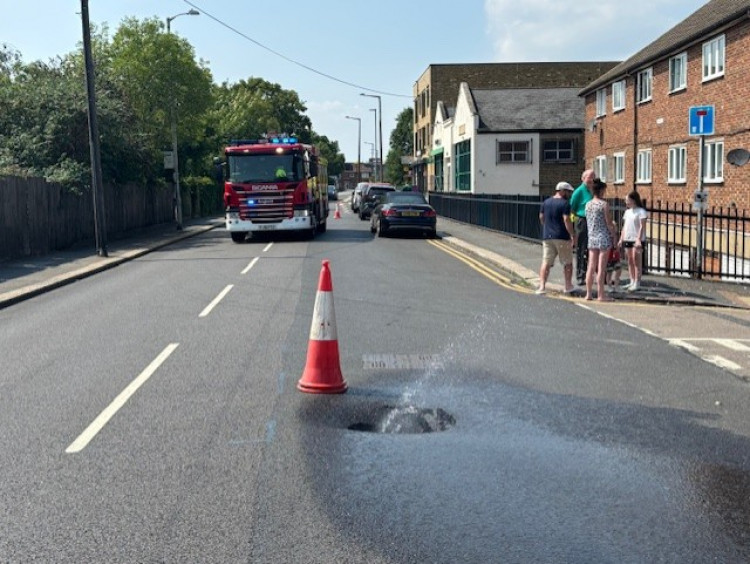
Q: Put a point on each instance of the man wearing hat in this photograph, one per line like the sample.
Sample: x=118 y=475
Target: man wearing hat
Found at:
x=558 y=237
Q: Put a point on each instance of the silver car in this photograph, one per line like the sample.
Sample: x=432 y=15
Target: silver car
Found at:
x=357 y=195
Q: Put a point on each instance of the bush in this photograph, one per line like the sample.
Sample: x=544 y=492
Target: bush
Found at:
x=204 y=196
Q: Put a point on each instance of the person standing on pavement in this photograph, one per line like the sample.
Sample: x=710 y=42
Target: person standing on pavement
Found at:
x=601 y=236
x=582 y=196
x=558 y=236
x=633 y=236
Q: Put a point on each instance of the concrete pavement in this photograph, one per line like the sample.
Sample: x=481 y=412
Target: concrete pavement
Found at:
x=519 y=258
x=27 y=277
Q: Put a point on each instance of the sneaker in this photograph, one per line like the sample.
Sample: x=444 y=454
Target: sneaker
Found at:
x=540 y=291
x=635 y=286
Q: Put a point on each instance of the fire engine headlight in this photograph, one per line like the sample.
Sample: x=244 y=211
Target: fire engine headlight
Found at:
x=233 y=215
x=301 y=213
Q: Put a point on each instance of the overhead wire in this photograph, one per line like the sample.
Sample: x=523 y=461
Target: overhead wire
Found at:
x=289 y=59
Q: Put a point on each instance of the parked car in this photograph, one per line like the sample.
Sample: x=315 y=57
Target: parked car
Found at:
x=357 y=196
x=332 y=194
x=403 y=210
x=370 y=196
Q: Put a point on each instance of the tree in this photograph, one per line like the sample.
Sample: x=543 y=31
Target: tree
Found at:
x=252 y=108
x=158 y=78
x=330 y=151
x=401 y=144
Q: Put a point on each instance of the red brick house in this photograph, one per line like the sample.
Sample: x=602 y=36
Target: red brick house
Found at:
x=637 y=132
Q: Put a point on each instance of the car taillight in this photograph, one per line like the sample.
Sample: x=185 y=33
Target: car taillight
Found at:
x=430 y=213
x=390 y=213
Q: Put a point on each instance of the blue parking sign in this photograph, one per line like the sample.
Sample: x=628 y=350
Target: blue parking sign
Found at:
x=701 y=120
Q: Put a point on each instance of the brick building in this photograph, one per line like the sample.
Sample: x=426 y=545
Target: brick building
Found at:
x=441 y=82
x=637 y=114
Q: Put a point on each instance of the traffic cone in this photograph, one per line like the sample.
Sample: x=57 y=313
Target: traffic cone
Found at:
x=322 y=374
x=337 y=213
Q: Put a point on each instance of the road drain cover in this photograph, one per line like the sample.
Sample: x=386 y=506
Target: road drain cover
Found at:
x=406 y=420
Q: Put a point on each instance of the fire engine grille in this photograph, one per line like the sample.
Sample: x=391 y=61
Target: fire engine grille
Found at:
x=266 y=206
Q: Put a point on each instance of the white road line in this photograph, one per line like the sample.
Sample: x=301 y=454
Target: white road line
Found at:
x=732 y=344
x=249 y=266
x=267 y=247
x=683 y=344
x=97 y=424
x=217 y=299
x=722 y=362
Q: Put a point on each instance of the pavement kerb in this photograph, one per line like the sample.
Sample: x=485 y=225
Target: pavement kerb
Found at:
x=26 y=292
x=528 y=276
x=531 y=279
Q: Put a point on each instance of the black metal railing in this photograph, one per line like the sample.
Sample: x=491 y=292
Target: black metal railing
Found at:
x=672 y=231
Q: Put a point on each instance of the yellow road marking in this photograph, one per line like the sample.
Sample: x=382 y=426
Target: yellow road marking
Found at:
x=482 y=269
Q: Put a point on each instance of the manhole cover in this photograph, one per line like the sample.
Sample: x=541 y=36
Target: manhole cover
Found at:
x=406 y=420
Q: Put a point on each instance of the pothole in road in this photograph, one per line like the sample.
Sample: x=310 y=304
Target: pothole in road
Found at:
x=406 y=420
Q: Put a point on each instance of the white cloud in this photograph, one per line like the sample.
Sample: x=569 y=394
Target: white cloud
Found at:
x=594 y=30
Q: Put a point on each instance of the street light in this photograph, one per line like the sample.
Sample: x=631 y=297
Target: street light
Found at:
x=359 y=145
x=380 y=127
x=175 y=158
x=373 y=154
x=375 y=116
x=188 y=13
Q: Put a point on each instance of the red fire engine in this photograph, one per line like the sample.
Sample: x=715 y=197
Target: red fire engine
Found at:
x=275 y=184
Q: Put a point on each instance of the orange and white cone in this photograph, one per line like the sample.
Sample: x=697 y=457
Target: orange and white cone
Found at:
x=322 y=374
x=337 y=213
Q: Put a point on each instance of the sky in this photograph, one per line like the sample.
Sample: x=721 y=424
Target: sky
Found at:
x=332 y=51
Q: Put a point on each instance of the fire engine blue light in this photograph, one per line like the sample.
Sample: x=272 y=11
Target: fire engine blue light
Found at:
x=285 y=140
x=251 y=202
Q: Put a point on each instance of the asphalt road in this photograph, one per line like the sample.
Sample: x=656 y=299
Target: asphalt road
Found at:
x=150 y=414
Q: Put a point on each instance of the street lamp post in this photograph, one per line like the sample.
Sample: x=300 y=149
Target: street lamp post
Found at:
x=375 y=116
x=175 y=158
x=380 y=128
x=359 y=146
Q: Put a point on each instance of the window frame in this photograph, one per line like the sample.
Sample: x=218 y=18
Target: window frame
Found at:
x=714 y=48
x=644 y=163
x=513 y=152
x=557 y=150
x=600 y=167
x=717 y=166
x=618 y=172
x=677 y=155
x=680 y=72
x=462 y=152
x=619 y=90
x=644 y=85
x=601 y=102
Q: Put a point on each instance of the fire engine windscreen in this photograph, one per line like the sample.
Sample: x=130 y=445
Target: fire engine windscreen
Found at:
x=265 y=168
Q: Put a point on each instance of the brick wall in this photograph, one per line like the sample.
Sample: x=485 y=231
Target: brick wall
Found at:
x=663 y=122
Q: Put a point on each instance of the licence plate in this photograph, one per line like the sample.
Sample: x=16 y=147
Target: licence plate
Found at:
x=266 y=227
x=410 y=213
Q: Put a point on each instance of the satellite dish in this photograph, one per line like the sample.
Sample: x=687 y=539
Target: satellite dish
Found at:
x=738 y=157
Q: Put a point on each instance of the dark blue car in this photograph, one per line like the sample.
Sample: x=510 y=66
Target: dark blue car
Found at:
x=403 y=210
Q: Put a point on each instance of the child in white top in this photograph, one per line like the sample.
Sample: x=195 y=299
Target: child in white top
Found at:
x=633 y=237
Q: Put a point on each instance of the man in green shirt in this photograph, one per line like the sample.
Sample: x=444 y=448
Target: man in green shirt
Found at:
x=581 y=196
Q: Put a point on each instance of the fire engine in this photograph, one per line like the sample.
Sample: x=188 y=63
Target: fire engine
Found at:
x=275 y=183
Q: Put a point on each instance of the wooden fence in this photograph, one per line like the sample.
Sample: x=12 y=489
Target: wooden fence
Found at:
x=37 y=217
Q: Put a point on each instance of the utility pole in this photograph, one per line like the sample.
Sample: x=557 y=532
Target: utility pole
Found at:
x=97 y=189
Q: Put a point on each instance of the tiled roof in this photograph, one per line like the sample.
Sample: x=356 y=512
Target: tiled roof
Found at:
x=712 y=16
x=529 y=109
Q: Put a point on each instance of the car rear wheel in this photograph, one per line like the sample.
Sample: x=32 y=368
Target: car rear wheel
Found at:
x=381 y=229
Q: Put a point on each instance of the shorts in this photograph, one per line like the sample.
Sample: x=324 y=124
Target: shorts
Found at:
x=553 y=248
